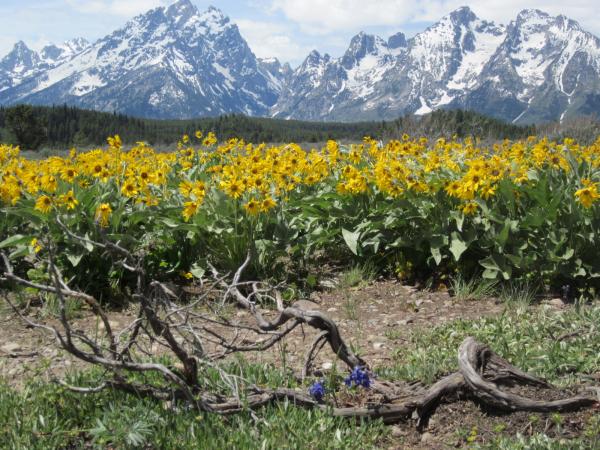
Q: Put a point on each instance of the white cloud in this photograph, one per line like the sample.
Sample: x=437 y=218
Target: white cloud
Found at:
x=268 y=39
x=122 y=8
x=328 y=16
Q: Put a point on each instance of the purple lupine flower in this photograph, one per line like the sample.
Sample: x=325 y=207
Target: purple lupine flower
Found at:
x=317 y=390
x=359 y=377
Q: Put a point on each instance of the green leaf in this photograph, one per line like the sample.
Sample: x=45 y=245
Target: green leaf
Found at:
x=436 y=243
x=489 y=263
x=88 y=245
x=74 y=259
x=568 y=254
x=15 y=240
x=21 y=250
x=490 y=274
x=170 y=223
x=503 y=235
x=351 y=239
x=457 y=246
x=459 y=218
x=197 y=271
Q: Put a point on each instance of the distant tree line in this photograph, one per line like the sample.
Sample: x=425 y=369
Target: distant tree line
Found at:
x=61 y=127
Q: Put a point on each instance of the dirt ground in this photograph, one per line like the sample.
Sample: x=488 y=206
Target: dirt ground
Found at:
x=374 y=319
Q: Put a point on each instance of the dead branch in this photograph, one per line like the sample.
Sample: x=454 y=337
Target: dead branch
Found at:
x=197 y=341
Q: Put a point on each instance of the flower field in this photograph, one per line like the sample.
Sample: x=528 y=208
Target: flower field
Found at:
x=517 y=210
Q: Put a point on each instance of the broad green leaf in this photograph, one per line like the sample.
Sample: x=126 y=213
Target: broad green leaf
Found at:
x=490 y=274
x=351 y=239
x=457 y=246
x=436 y=243
x=197 y=271
x=74 y=259
x=15 y=240
x=568 y=254
x=489 y=263
x=21 y=250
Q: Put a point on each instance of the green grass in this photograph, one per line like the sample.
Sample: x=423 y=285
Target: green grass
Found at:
x=358 y=275
x=589 y=441
x=518 y=294
x=472 y=289
x=528 y=339
x=45 y=416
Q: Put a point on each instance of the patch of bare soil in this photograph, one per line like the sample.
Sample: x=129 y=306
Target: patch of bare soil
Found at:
x=374 y=319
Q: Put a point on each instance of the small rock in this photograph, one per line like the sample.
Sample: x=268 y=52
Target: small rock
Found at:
x=397 y=431
x=11 y=347
x=327 y=365
x=418 y=302
x=306 y=305
x=426 y=437
x=557 y=303
x=113 y=325
x=378 y=345
x=405 y=321
x=331 y=309
x=329 y=284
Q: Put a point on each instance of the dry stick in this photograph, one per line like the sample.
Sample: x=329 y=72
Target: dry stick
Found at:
x=17 y=355
x=312 y=353
x=474 y=360
x=316 y=319
x=61 y=289
x=471 y=360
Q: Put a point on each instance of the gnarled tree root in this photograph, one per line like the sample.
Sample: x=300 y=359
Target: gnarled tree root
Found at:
x=480 y=375
x=183 y=331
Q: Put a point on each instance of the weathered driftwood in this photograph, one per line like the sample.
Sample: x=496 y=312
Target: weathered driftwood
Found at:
x=186 y=333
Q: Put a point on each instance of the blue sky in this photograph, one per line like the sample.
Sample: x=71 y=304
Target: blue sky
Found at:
x=287 y=29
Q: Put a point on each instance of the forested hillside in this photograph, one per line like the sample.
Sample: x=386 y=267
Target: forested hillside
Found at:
x=59 y=127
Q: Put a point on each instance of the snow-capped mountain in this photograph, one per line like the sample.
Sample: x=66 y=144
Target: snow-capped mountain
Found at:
x=538 y=68
x=176 y=62
x=172 y=62
x=22 y=62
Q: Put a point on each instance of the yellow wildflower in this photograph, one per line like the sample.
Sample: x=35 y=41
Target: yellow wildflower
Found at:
x=189 y=210
x=103 y=213
x=43 y=204
x=587 y=195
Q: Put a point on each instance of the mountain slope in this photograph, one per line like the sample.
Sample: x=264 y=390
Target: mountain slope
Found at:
x=175 y=62
x=538 y=68
x=168 y=63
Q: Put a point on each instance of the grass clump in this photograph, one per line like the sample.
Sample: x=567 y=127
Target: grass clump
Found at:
x=590 y=440
x=472 y=289
x=358 y=275
x=551 y=344
x=44 y=416
x=520 y=294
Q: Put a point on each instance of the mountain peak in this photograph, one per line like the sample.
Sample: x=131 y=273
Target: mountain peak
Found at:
x=464 y=14
x=20 y=59
x=361 y=45
x=53 y=53
x=214 y=20
x=397 y=40
x=181 y=11
x=181 y=5
x=532 y=15
x=21 y=47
